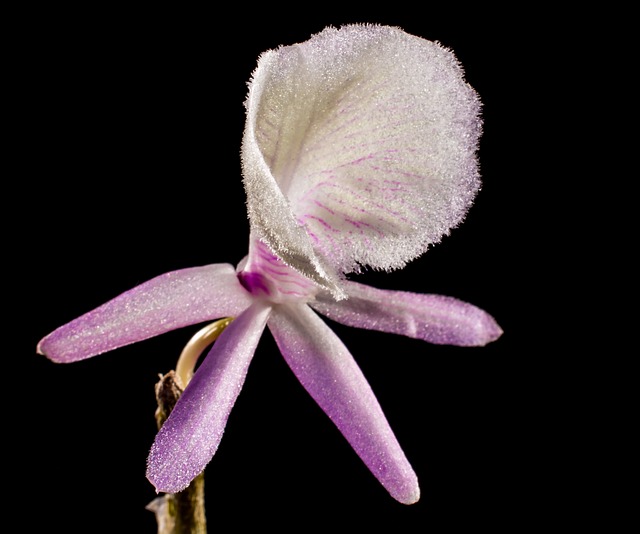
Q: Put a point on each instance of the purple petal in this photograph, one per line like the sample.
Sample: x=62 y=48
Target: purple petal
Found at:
x=169 y=301
x=434 y=318
x=190 y=436
x=327 y=370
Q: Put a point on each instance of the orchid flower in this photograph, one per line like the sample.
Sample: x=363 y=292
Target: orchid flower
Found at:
x=359 y=152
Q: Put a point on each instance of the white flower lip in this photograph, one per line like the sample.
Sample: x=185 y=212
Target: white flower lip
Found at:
x=359 y=150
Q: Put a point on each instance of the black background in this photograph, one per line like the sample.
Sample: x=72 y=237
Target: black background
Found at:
x=130 y=126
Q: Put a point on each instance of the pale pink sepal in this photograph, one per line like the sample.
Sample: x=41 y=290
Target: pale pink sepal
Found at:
x=190 y=436
x=434 y=318
x=327 y=370
x=166 y=302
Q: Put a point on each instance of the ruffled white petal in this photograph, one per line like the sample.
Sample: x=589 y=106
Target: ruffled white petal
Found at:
x=359 y=149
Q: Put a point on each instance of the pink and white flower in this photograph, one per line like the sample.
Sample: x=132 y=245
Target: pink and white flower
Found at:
x=359 y=151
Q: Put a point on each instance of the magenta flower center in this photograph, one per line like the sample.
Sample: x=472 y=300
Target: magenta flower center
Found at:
x=267 y=276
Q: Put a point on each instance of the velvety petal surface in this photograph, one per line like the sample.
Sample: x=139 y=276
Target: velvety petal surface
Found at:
x=190 y=436
x=329 y=373
x=166 y=302
x=434 y=318
x=359 y=149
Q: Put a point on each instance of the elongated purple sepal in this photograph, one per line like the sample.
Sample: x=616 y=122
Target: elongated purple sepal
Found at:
x=329 y=373
x=166 y=302
x=190 y=436
x=437 y=319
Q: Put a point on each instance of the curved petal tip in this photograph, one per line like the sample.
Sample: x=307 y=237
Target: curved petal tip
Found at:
x=409 y=495
x=487 y=330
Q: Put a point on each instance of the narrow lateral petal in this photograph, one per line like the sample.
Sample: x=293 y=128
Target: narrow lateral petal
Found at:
x=329 y=373
x=166 y=302
x=434 y=318
x=360 y=145
x=190 y=436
